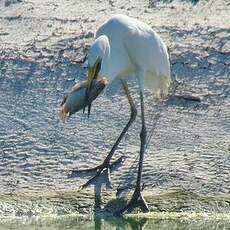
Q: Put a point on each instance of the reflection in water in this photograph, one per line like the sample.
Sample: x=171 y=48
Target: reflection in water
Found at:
x=115 y=224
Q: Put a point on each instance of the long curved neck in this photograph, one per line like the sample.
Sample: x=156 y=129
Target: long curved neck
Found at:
x=106 y=63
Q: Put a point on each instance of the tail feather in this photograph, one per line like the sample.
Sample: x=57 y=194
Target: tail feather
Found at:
x=159 y=85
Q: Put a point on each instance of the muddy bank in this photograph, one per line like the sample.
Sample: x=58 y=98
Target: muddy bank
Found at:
x=88 y=204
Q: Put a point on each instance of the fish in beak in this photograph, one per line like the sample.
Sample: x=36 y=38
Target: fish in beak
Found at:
x=92 y=74
x=75 y=99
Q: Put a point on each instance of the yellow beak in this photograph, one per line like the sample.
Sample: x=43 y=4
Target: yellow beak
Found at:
x=91 y=75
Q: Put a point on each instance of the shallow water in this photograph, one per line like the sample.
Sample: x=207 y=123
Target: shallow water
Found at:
x=114 y=223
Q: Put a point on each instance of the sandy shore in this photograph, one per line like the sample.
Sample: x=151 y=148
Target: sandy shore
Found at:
x=41 y=43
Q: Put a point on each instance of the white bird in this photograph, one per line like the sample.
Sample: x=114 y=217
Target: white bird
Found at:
x=124 y=47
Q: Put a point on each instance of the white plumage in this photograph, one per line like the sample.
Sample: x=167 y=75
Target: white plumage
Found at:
x=129 y=47
x=124 y=47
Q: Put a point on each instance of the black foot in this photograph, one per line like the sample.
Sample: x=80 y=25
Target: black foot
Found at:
x=105 y=167
x=137 y=200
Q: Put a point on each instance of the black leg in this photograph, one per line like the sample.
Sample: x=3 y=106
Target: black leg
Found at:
x=143 y=144
x=106 y=165
x=137 y=200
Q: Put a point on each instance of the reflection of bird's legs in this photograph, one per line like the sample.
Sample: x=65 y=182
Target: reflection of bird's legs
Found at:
x=106 y=165
x=137 y=200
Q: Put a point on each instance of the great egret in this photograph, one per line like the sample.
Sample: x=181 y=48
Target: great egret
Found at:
x=123 y=47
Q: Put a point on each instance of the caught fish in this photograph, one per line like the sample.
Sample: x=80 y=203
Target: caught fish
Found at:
x=75 y=99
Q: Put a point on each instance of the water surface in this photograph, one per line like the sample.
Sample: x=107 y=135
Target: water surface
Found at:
x=115 y=223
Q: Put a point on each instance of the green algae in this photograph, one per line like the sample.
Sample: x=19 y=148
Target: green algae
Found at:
x=175 y=204
x=180 y=216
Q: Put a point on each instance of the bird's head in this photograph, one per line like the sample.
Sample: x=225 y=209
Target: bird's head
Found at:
x=97 y=53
